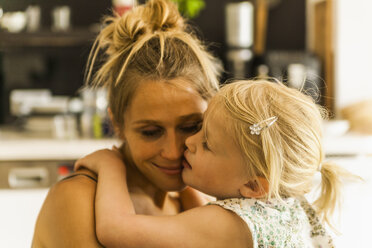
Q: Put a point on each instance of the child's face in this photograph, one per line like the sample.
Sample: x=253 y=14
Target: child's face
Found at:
x=215 y=167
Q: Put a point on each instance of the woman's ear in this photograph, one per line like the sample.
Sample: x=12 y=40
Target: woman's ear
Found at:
x=255 y=188
x=116 y=127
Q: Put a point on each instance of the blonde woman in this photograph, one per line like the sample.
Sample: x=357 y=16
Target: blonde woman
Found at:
x=257 y=153
x=160 y=78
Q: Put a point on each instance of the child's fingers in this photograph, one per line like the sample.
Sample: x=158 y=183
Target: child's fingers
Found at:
x=81 y=162
x=78 y=164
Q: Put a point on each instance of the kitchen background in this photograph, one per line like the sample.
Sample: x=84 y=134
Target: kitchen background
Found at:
x=46 y=122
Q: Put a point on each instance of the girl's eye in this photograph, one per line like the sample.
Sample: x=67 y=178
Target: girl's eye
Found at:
x=194 y=128
x=205 y=146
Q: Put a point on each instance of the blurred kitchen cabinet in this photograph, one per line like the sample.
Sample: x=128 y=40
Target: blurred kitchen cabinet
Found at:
x=42 y=39
x=339 y=33
x=42 y=60
x=321 y=42
x=46 y=59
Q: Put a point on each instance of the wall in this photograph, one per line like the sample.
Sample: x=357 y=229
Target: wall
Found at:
x=353 y=51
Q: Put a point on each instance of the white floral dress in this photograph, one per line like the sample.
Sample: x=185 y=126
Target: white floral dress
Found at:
x=291 y=224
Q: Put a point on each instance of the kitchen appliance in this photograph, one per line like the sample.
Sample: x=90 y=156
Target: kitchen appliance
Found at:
x=239 y=38
x=24 y=184
x=29 y=165
x=298 y=69
x=23 y=174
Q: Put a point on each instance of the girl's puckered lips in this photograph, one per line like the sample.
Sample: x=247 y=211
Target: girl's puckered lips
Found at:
x=186 y=164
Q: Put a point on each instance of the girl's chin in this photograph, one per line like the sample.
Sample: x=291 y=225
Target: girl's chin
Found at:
x=186 y=177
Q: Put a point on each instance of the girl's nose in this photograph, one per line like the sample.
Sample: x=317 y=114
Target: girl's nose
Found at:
x=190 y=142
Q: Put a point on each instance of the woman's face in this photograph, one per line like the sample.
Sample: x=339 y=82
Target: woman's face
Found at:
x=157 y=122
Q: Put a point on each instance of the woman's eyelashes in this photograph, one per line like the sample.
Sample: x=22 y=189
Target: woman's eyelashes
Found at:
x=152 y=133
x=156 y=132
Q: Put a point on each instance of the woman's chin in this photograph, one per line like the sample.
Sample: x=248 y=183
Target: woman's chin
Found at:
x=178 y=186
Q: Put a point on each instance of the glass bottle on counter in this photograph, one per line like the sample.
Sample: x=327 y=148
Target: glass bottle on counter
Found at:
x=121 y=6
x=95 y=122
x=100 y=116
x=86 y=124
x=2 y=88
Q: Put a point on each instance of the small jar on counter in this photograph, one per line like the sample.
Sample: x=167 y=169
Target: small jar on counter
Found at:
x=121 y=6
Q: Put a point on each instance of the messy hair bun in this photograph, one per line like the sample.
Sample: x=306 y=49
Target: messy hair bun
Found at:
x=150 y=41
x=164 y=16
x=121 y=32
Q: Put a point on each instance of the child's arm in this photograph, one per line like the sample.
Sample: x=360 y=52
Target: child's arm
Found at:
x=112 y=196
x=118 y=226
x=192 y=198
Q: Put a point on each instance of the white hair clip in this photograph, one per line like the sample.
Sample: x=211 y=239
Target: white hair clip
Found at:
x=256 y=128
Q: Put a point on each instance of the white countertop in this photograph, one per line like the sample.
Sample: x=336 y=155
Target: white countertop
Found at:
x=16 y=144
x=51 y=149
x=348 y=144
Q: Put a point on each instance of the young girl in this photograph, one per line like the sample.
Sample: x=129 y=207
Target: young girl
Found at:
x=257 y=153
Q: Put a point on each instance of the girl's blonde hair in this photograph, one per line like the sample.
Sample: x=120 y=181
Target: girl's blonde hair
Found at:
x=150 y=42
x=289 y=152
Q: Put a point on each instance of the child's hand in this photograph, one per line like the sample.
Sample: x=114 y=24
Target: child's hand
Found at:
x=100 y=158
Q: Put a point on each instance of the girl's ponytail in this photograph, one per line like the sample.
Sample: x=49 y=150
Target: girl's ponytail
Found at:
x=333 y=178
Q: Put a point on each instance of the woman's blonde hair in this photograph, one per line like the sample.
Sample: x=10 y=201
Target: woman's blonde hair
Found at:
x=289 y=152
x=150 y=42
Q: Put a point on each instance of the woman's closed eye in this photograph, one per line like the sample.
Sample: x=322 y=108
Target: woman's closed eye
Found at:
x=152 y=133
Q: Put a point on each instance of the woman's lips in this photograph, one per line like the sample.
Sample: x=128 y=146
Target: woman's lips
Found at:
x=169 y=171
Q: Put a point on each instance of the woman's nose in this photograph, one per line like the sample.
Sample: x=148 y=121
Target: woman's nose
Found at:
x=173 y=147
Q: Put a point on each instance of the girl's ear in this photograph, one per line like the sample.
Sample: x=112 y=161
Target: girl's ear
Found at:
x=255 y=188
x=116 y=127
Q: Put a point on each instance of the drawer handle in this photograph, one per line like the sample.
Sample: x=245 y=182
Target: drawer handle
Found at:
x=28 y=177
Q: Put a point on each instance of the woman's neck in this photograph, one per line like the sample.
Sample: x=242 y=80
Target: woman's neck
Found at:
x=138 y=183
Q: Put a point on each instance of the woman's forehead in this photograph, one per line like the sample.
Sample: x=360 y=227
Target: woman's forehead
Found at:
x=162 y=90
x=161 y=101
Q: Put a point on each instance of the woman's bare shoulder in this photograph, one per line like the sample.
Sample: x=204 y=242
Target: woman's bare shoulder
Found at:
x=78 y=188
x=66 y=218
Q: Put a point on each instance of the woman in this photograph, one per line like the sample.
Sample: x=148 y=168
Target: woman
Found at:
x=159 y=78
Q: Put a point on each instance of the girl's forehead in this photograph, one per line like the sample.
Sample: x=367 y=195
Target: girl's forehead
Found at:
x=216 y=121
x=215 y=111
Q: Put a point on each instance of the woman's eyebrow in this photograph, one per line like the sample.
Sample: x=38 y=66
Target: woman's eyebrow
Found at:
x=182 y=118
x=151 y=122
x=190 y=116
